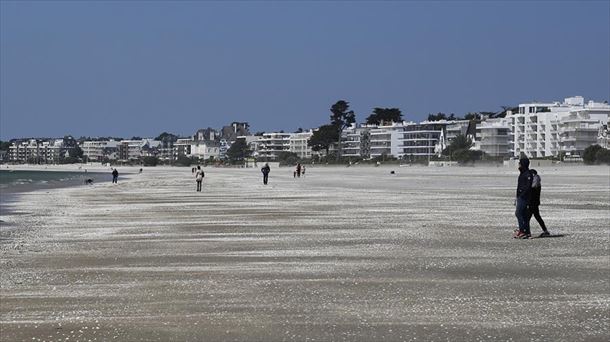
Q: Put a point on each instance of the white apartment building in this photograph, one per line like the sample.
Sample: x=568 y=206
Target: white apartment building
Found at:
x=136 y=149
x=355 y=142
x=545 y=129
x=493 y=137
x=205 y=149
x=421 y=140
x=384 y=140
x=270 y=145
x=95 y=150
x=35 y=151
x=299 y=144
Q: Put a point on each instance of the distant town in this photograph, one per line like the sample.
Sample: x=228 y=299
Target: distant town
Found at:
x=562 y=131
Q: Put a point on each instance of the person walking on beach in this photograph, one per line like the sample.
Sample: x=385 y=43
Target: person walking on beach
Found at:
x=299 y=170
x=535 y=202
x=265 y=170
x=115 y=176
x=303 y=171
x=524 y=192
x=199 y=177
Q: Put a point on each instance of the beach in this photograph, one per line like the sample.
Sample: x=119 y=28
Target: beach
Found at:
x=341 y=254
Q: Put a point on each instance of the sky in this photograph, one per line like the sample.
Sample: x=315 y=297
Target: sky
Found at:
x=138 y=68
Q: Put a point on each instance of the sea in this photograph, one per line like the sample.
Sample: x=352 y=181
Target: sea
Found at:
x=13 y=182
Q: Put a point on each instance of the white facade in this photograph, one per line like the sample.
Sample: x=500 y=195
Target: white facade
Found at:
x=493 y=136
x=94 y=150
x=270 y=145
x=205 y=149
x=299 y=144
x=355 y=142
x=384 y=140
x=543 y=129
x=35 y=151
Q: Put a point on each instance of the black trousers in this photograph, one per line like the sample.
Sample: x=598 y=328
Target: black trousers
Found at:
x=265 y=178
x=535 y=211
x=198 y=185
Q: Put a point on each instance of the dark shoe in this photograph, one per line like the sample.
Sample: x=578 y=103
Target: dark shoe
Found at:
x=545 y=233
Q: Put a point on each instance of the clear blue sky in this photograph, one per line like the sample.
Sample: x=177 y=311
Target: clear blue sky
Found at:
x=140 y=68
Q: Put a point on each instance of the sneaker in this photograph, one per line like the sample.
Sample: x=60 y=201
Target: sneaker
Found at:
x=522 y=235
x=545 y=233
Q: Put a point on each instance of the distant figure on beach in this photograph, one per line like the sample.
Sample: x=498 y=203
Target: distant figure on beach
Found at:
x=141 y=170
x=193 y=170
x=265 y=170
x=535 y=202
x=299 y=170
x=115 y=176
x=303 y=171
x=199 y=177
x=524 y=193
x=89 y=181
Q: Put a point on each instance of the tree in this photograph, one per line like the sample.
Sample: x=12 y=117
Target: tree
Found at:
x=437 y=117
x=5 y=145
x=384 y=115
x=459 y=150
x=323 y=138
x=167 y=139
x=341 y=117
x=75 y=152
x=589 y=156
x=238 y=151
x=150 y=161
x=603 y=156
x=288 y=158
x=184 y=161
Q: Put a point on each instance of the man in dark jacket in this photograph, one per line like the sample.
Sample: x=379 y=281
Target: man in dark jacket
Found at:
x=524 y=193
x=265 y=170
x=535 y=202
x=115 y=176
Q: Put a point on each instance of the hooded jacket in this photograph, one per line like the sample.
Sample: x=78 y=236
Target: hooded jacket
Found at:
x=524 y=183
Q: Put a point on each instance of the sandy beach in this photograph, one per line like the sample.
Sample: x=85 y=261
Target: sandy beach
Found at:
x=342 y=254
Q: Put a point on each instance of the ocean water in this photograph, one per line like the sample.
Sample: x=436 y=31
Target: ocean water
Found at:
x=20 y=181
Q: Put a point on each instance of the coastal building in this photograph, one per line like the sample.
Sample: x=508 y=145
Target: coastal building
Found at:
x=493 y=137
x=270 y=145
x=205 y=149
x=299 y=144
x=420 y=140
x=355 y=142
x=384 y=140
x=545 y=129
x=134 y=150
x=98 y=150
x=38 y=151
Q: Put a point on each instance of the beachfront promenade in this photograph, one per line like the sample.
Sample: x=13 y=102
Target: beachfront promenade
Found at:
x=344 y=254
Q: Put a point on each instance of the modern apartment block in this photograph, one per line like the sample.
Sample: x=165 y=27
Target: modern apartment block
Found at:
x=98 y=150
x=493 y=137
x=545 y=129
x=421 y=140
x=270 y=145
x=38 y=151
x=299 y=144
x=355 y=142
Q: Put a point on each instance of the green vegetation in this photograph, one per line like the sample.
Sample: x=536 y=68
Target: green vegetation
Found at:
x=238 y=151
x=150 y=161
x=596 y=154
x=459 y=150
x=386 y=115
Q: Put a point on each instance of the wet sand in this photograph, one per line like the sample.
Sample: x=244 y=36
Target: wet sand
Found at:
x=344 y=254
